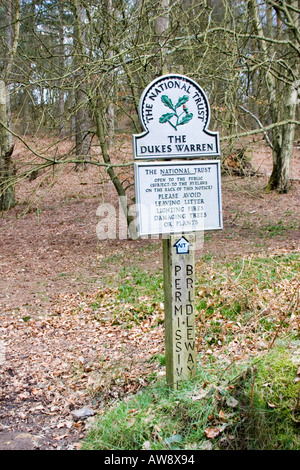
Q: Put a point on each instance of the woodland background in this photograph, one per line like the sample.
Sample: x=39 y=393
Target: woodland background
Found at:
x=75 y=70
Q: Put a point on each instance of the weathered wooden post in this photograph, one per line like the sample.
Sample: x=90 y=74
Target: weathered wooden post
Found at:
x=178 y=193
x=179 y=292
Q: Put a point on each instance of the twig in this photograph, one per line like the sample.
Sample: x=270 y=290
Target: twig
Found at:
x=259 y=123
x=258 y=131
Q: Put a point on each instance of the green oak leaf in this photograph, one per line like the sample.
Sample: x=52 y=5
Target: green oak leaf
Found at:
x=181 y=101
x=166 y=117
x=185 y=119
x=167 y=102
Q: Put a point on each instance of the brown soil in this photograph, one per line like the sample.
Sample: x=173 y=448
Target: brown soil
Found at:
x=51 y=259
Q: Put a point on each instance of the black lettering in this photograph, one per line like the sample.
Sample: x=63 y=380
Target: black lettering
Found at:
x=189 y=333
x=177 y=269
x=189 y=269
x=189 y=309
x=177 y=309
x=178 y=335
x=190 y=358
x=190 y=346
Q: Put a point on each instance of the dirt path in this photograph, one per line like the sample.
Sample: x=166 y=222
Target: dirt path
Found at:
x=56 y=358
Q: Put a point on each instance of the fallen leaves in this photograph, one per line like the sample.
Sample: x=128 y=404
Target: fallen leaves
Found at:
x=212 y=432
x=231 y=402
x=59 y=365
x=221 y=421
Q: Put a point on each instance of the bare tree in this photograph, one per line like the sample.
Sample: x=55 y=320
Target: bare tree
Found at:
x=91 y=61
x=279 y=64
x=7 y=170
x=82 y=119
x=161 y=26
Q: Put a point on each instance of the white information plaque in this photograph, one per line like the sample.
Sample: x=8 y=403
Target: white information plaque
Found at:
x=178 y=197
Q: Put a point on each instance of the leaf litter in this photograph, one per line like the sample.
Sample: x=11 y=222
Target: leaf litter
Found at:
x=61 y=362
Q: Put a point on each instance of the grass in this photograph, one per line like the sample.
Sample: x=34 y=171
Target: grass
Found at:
x=243 y=394
x=157 y=418
x=279 y=228
x=136 y=296
x=134 y=283
x=248 y=408
x=254 y=296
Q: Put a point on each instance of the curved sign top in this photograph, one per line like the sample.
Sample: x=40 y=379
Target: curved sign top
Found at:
x=175 y=114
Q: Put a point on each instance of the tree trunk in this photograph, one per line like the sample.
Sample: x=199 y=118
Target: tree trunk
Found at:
x=283 y=148
x=61 y=96
x=7 y=170
x=110 y=114
x=113 y=176
x=82 y=118
x=282 y=136
x=82 y=122
x=161 y=26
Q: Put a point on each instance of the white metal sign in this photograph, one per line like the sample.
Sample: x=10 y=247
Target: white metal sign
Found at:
x=177 y=197
x=175 y=114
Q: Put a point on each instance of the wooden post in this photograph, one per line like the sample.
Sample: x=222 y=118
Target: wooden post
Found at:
x=179 y=292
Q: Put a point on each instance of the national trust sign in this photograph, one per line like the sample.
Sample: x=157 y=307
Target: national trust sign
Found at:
x=175 y=114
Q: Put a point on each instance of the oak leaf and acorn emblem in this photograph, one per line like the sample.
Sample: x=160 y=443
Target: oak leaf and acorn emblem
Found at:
x=173 y=118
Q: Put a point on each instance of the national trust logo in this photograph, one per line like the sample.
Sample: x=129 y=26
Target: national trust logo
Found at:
x=175 y=119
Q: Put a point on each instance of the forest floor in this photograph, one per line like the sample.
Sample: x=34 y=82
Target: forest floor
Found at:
x=56 y=357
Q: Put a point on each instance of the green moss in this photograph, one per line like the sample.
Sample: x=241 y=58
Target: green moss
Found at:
x=271 y=395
